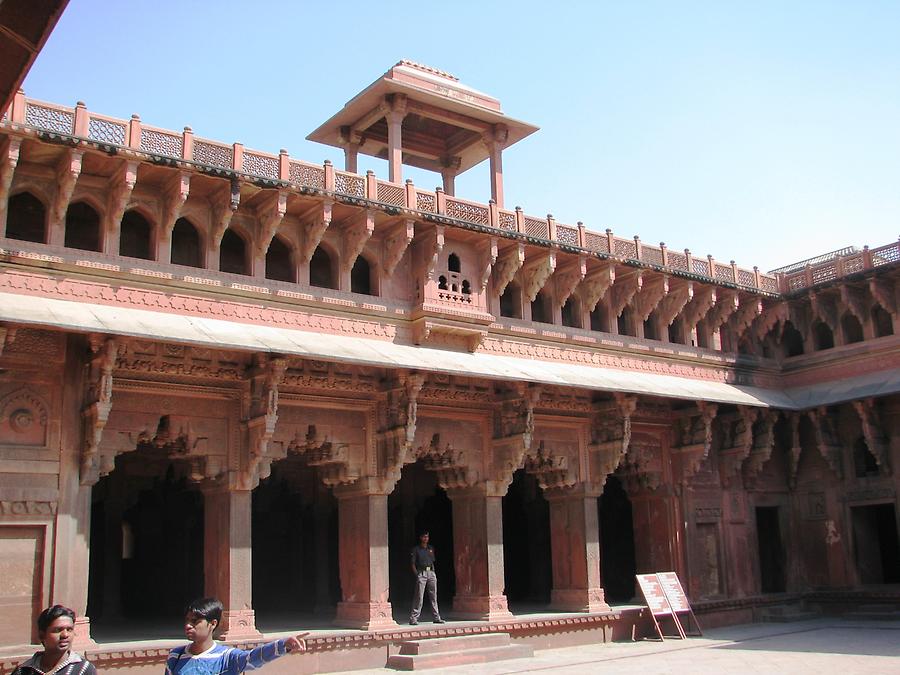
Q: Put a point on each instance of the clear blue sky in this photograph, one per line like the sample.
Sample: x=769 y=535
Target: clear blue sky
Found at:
x=763 y=132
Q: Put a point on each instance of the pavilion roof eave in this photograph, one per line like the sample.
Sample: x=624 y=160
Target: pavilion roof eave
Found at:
x=358 y=107
x=126 y=321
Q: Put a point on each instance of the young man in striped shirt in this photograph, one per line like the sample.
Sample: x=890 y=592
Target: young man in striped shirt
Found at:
x=206 y=657
x=56 y=628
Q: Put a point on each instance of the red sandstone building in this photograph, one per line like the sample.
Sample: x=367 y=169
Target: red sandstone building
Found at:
x=230 y=372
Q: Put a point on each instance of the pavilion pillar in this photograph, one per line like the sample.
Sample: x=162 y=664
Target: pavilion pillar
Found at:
x=478 y=546
x=575 y=546
x=363 y=559
x=395 y=112
x=495 y=140
x=228 y=559
x=449 y=171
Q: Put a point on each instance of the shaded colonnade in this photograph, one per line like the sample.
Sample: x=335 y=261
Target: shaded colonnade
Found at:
x=527 y=564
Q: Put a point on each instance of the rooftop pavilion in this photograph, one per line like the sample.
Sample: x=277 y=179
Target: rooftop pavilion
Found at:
x=424 y=117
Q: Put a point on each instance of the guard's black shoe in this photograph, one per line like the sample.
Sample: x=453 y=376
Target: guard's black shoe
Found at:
x=439 y=621
x=413 y=623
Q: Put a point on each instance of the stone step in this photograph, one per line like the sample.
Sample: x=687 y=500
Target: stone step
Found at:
x=875 y=613
x=454 y=644
x=786 y=614
x=457 y=651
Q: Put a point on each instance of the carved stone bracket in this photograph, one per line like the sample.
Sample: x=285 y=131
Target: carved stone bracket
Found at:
x=338 y=463
x=395 y=244
x=175 y=195
x=652 y=291
x=727 y=303
x=270 y=214
x=487 y=258
x=703 y=300
x=314 y=223
x=513 y=433
x=121 y=186
x=9 y=158
x=397 y=411
x=827 y=440
x=824 y=306
x=763 y=443
x=737 y=441
x=552 y=471
x=67 y=171
x=595 y=284
x=611 y=435
x=508 y=264
x=749 y=309
x=884 y=291
x=772 y=316
x=431 y=250
x=874 y=432
x=98 y=403
x=450 y=464
x=357 y=231
x=535 y=273
x=856 y=300
x=623 y=291
x=680 y=293
x=262 y=416
x=7 y=337
x=693 y=439
x=796 y=449
x=224 y=204
x=567 y=279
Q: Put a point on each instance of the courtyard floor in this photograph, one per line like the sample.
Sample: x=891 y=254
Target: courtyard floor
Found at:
x=819 y=646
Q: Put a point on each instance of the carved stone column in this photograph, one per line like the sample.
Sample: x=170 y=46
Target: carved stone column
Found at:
x=478 y=545
x=575 y=546
x=363 y=558
x=228 y=559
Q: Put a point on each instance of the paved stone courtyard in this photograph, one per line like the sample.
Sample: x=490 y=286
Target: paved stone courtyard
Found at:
x=819 y=646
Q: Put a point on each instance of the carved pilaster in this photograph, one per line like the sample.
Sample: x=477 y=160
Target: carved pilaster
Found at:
x=508 y=264
x=98 y=403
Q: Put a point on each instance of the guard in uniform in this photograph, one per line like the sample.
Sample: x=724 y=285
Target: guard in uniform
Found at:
x=422 y=563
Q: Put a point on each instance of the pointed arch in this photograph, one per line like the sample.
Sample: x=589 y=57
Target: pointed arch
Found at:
x=136 y=236
x=26 y=218
x=361 y=277
x=323 y=268
x=186 y=244
x=280 y=261
x=233 y=253
x=83 y=230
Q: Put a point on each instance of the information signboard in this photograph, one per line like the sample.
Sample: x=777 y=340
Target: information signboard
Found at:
x=658 y=603
x=676 y=596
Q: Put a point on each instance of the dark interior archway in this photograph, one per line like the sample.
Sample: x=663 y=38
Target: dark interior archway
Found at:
x=418 y=503
x=279 y=262
x=361 y=277
x=571 y=313
x=792 y=340
x=852 y=328
x=26 y=218
x=882 y=321
x=233 y=253
x=82 y=228
x=511 y=302
x=321 y=269
x=186 y=244
x=527 y=562
x=823 y=336
x=617 y=567
x=540 y=309
x=136 y=236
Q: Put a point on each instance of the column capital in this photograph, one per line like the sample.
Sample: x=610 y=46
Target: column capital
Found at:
x=394 y=107
x=583 y=490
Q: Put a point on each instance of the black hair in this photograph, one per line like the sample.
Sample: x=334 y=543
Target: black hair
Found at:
x=424 y=533
x=209 y=608
x=51 y=614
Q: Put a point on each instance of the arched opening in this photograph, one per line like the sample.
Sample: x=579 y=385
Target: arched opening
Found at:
x=361 y=277
x=418 y=503
x=571 y=313
x=792 y=340
x=600 y=318
x=321 y=269
x=511 y=302
x=616 y=542
x=186 y=248
x=650 y=332
x=279 y=261
x=147 y=546
x=882 y=321
x=82 y=227
x=527 y=562
x=624 y=322
x=26 y=218
x=676 y=332
x=453 y=264
x=853 y=330
x=824 y=338
x=232 y=253
x=294 y=534
x=136 y=236
x=540 y=309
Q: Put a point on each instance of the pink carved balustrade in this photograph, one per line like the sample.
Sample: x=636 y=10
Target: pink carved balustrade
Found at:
x=838 y=267
x=134 y=134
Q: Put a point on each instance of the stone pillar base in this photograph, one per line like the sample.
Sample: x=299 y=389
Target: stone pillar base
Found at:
x=365 y=615
x=83 y=638
x=239 y=624
x=481 y=608
x=578 y=600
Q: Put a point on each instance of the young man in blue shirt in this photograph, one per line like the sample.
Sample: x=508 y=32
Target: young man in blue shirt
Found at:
x=206 y=657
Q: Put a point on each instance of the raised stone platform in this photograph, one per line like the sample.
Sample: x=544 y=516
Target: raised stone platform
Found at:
x=456 y=651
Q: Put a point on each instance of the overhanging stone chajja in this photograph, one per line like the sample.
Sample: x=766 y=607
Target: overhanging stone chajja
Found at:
x=87 y=317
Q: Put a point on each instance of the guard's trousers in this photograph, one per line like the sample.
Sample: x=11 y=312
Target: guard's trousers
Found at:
x=425 y=581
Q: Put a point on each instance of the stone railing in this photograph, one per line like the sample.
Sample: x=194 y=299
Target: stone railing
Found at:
x=838 y=267
x=134 y=134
